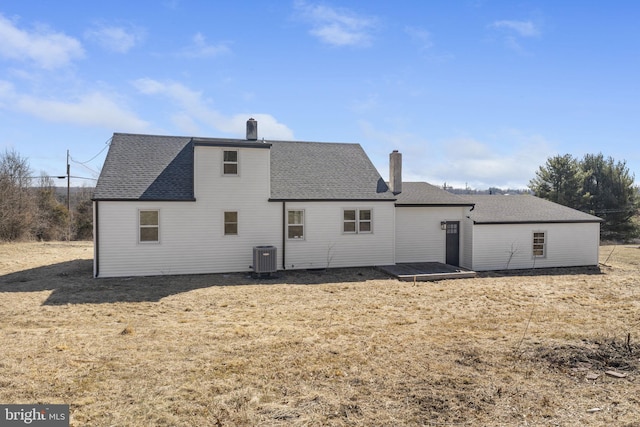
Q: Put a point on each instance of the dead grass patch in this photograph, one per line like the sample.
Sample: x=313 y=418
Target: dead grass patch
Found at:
x=591 y=356
x=343 y=347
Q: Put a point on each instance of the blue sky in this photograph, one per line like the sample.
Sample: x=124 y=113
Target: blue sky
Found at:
x=476 y=92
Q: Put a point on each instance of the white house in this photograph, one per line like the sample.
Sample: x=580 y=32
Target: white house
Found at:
x=519 y=232
x=184 y=205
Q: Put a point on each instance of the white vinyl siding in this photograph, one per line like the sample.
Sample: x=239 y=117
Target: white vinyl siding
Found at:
x=326 y=245
x=509 y=246
x=466 y=243
x=419 y=233
x=193 y=243
x=191 y=233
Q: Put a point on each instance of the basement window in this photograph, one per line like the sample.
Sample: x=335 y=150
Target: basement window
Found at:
x=295 y=224
x=539 y=244
x=149 y=226
x=230 y=162
x=355 y=221
x=231 y=223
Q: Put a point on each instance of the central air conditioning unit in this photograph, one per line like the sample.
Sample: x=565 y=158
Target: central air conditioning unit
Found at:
x=265 y=259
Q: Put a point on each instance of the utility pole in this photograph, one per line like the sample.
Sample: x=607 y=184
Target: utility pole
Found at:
x=69 y=196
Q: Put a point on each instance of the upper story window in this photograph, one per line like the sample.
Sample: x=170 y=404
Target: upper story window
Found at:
x=539 y=244
x=295 y=224
x=230 y=162
x=149 y=226
x=357 y=221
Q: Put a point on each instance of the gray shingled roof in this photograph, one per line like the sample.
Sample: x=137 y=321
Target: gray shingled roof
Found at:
x=147 y=167
x=152 y=167
x=324 y=171
x=499 y=209
x=422 y=193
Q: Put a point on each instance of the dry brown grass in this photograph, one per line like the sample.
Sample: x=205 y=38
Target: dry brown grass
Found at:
x=344 y=347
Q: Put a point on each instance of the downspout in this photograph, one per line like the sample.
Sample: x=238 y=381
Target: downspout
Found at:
x=96 y=241
x=284 y=235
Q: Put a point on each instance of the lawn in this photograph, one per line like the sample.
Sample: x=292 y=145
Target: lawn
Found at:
x=341 y=347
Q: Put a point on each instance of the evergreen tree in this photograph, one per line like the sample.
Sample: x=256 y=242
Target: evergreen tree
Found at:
x=609 y=192
x=602 y=187
x=559 y=180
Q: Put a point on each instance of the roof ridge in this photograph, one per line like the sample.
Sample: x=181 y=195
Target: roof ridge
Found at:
x=152 y=135
x=312 y=142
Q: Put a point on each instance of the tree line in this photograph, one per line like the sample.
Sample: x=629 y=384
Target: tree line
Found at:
x=30 y=207
x=594 y=184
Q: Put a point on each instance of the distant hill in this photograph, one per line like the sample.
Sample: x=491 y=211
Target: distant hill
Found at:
x=487 y=191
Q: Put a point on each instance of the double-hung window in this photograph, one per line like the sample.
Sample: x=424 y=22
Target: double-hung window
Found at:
x=295 y=224
x=539 y=244
x=149 y=226
x=230 y=162
x=357 y=221
x=230 y=223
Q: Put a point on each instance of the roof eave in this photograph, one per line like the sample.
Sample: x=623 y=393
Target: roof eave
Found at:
x=290 y=199
x=417 y=205
x=567 y=221
x=116 y=199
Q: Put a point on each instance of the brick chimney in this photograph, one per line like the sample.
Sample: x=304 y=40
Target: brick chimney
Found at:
x=395 y=172
x=252 y=130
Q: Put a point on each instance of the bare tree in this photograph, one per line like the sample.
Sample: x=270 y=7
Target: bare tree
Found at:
x=52 y=217
x=83 y=214
x=17 y=205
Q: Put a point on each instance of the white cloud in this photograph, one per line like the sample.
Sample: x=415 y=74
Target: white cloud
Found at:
x=90 y=109
x=508 y=160
x=420 y=36
x=201 y=49
x=368 y=103
x=115 y=38
x=195 y=110
x=521 y=28
x=515 y=31
x=6 y=92
x=337 y=27
x=413 y=147
x=46 y=48
x=461 y=161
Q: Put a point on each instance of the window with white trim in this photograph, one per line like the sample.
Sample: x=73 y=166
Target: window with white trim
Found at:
x=357 y=221
x=149 y=226
x=295 y=224
x=230 y=162
x=539 y=244
x=230 y=223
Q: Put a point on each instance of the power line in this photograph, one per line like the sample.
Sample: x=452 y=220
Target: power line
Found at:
x=85 y=166
x=106 y=145
x=83 y=177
